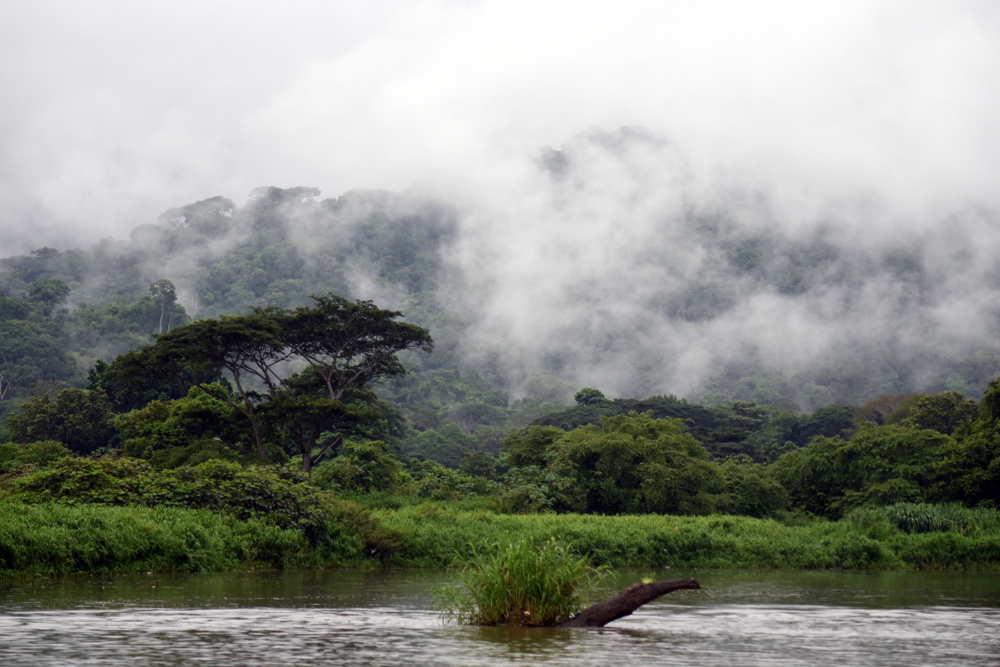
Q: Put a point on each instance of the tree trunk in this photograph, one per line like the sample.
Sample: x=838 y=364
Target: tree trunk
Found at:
x=623 y=604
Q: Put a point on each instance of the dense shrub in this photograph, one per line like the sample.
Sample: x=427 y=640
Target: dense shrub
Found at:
x=631 y=464
x=15 y=457
x=186 y=431
x=361 y=467
x=436 y=482
x=276 y=495
x=877 y=466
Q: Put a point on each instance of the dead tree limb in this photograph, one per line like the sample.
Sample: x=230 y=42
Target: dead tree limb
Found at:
x=623 y=604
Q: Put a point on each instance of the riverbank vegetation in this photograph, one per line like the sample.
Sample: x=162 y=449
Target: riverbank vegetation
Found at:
x=279 y=424
x=913 y=487
x=520 y=583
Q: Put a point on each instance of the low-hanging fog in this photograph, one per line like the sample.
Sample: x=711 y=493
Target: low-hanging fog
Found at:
x=646 y=195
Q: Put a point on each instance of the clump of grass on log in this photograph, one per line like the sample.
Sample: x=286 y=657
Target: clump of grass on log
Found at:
x=520 y=584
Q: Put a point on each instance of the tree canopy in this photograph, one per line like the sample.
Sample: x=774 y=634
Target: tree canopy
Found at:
x=342 y=346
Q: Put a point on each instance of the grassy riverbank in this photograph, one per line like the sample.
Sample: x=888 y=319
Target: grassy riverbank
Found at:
x=867 y=540
x=52 y=539
x=55 y=539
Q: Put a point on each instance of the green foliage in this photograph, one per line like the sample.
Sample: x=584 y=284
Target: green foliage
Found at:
x=187 y=431
x=877 y=466
x=445 y=537
x=432 y=399
x=878 y=410
x=52 y=539
x=270 y=494
x=479 y=464
x=79 y=419
x=344 y=345
x=377 y=540
x=30 y=353
x=131 y=382
x=50 y=292
x=520 y=584
x=926 y=518
x=970 y=469
x=530 y=446
x=750 y=490
x=14 y=457
x=435 y=482
x=989 y=405
x=588 y=396
x=360 y=467
x=728 y=429
x=447 y=445
x=943 y=412
x=634 y=464
x=532 y=489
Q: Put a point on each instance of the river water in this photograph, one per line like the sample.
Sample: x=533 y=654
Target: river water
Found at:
x=307 y=618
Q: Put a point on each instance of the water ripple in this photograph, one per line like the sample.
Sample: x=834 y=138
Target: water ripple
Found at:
x=705 y=636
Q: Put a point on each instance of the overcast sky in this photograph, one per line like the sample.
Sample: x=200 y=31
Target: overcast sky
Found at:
x=112 y=112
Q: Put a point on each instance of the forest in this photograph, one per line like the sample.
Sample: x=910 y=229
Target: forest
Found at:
x=308 y=370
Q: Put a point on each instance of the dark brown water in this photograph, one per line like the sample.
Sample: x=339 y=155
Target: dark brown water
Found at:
x=383 y=618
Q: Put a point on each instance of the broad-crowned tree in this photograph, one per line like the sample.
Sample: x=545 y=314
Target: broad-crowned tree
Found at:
x=345 y=346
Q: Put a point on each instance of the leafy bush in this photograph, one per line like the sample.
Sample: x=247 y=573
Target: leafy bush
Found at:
x=520 y=584
x=365 y=467
x=634 y=464
x=273 y=494
x=378 y=540
x=436 y=482
x=944 y=412
x=14 y=457
x=186 y=431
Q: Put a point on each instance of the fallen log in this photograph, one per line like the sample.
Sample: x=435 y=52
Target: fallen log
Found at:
x=623 y=604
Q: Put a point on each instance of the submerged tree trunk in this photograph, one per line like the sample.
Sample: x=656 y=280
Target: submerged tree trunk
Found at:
x=623 y=604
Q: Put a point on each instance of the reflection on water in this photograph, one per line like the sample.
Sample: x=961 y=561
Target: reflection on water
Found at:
x=383 y=618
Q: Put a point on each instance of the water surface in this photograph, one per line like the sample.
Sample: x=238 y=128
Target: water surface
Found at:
x=384 y=618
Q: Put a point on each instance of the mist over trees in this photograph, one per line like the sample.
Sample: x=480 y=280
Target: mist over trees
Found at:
x=623 y=273
x=648 y=380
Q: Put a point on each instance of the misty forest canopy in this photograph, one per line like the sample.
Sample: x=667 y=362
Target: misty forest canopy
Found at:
x=624 y=277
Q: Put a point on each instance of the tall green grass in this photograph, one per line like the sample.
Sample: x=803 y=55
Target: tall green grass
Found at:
x=52 y=539
x=520 y=584
x=927 y=518
x=439 y=537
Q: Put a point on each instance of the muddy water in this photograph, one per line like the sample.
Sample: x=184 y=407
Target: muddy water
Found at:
x=384 y=618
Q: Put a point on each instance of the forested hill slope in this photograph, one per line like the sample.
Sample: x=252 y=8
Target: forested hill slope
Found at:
x=277 y=249
x=605 y=283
